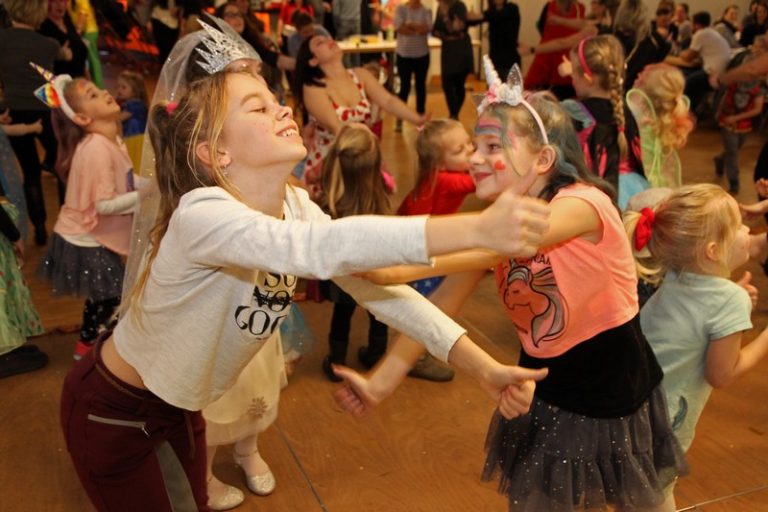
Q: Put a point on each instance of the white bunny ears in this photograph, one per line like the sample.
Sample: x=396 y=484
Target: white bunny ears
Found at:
x=511 y=93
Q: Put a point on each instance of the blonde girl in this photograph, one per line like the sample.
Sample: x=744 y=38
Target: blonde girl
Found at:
x=229 y=240
x=664 y=120
x=93 y=229
x=352 y=185
x=597 y=434
x=605 y=127
x=132 y=96
x=696 y=319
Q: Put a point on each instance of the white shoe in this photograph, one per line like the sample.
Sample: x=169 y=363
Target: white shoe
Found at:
x=263 y=484
x=231 y=498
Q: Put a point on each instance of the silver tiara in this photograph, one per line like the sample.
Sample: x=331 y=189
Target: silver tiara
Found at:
x=223 y=48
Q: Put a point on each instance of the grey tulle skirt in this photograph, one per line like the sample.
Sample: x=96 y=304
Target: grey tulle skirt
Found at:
x=553 y=460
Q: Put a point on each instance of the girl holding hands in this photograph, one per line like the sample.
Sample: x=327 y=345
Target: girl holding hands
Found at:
x=229 y=239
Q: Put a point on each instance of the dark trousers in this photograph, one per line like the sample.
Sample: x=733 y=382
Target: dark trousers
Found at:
x=407 y=67
x=338 y=339
x=696 y=87
x=131 y=450
x=732 y=143
x=98 y=316
x=26 y=151
x=165 y=37
x=455 y=92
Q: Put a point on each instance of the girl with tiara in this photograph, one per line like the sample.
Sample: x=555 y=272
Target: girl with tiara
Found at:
x=661 y=110
x=597 y=434
x=219 y=275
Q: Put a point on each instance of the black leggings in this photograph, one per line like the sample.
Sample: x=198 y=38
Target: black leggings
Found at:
x=26 y=151
x=406 y=68
x=453 y=88
x=98 y=316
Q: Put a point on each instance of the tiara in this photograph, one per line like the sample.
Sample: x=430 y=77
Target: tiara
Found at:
x=511 y=93
x=223 y=48
x=52 y=91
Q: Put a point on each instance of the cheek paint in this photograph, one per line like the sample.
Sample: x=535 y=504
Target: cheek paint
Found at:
x=499 y=166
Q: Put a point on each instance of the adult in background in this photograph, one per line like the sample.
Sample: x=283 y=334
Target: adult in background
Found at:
x=58 y=25
x=20 y=81
x=543 y=73
x=332 y=96
x=456 y=60
x=758 y=27
x=684 y=26
x=165 y=27
x=503 y=20
x=413 y=22
x=306 y=27
x=728 y=25
x=643 y=42
x=707 y=46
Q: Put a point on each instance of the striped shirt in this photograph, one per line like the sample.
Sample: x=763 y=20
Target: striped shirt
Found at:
x=412 y=46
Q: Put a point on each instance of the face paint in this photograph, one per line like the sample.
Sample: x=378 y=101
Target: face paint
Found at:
x=498 y=165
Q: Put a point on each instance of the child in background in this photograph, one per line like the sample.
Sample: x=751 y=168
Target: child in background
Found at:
x=737 y=115
x=352 y=184
x=132 y=97
x=597 y=434
x=664 y=120
x=607 y=130
x=93 y=230
x=18 y=316
x=696 y=319
x=443 y=148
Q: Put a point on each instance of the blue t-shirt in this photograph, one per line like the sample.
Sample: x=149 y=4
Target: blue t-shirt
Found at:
x=680 y=320
x=135 y=124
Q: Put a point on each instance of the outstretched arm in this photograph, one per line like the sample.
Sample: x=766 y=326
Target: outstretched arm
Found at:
x=727 y=360
x=386 y=100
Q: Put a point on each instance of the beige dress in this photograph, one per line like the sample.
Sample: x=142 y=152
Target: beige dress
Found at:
x=250 y=406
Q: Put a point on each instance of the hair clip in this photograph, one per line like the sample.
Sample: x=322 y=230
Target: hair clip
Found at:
x=171 y=107
x=52 y=92
x=510 y=93
x=224 y=47
x=644 y=228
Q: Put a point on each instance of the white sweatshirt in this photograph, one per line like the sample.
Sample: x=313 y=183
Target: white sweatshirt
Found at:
x=224 y=276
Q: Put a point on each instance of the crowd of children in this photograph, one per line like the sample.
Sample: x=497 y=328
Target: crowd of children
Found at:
x=627 y=315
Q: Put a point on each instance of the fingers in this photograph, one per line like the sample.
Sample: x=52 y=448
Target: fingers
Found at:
x=516 y=400
x=745 y=279
x=348 y=400
x=529 y=374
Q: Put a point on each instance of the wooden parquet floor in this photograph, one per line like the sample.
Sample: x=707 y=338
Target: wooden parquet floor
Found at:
x=422 y=450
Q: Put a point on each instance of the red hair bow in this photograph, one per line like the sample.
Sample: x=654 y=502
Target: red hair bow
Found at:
x=644 y=228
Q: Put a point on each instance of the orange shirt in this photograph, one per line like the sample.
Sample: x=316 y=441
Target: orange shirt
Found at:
x=568 y=293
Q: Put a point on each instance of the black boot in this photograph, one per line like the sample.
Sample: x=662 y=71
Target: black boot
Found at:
x=338 y=355
x=377 y=343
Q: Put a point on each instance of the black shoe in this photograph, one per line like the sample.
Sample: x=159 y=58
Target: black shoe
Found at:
x=41 y=236
x=329 y=371
x=733 y=188
x=366 y=359
x=765 y=267
x=21 y=360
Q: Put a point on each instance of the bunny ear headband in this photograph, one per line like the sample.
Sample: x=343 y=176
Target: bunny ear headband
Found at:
x=52 y=91
x=511 y=93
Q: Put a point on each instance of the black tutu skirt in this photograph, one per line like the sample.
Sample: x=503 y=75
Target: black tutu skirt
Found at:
x=553 y=460
x=92 y=272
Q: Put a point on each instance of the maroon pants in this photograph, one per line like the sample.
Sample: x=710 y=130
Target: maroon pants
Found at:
x=132 y=451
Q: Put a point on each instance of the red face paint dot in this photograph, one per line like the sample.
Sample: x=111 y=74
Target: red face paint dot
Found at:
x=498 y=165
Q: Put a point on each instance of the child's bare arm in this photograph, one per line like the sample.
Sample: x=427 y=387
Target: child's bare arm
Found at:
x=15 y=130
x=727 y=360
x=475 y=259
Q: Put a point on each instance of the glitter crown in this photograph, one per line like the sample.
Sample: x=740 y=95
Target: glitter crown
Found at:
x=222 y=50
